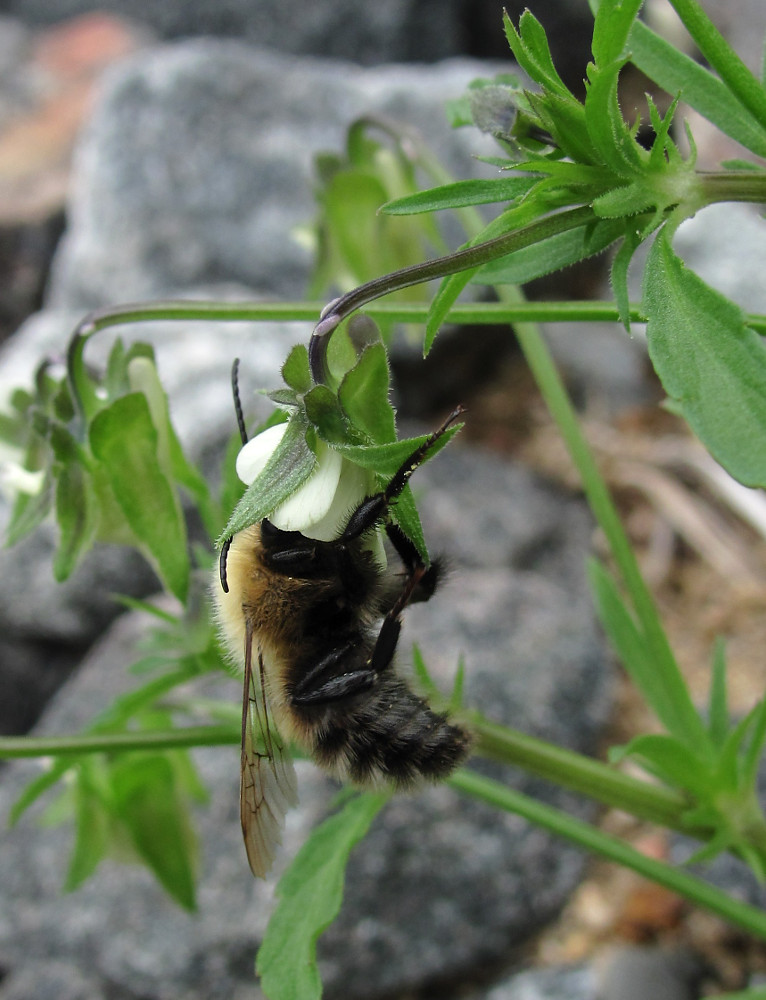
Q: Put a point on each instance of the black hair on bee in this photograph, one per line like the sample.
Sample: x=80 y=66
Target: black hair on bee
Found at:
x=315 y=625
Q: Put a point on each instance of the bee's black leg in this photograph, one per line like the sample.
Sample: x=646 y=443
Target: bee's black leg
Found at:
x=372 y=510
x=328 y=681
x=429 y=575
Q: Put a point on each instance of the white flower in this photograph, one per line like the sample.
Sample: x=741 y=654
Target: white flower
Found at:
x=15 y=479
x=320 y=508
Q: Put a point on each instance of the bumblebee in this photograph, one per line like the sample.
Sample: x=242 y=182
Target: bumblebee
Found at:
x=315 y=624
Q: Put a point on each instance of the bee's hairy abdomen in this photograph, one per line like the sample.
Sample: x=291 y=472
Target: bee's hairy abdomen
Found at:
x=393 y=736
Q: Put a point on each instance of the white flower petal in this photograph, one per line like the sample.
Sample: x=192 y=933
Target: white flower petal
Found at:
x=313 y=500
x=354 y=485
x=256 y=453
x=15 y=479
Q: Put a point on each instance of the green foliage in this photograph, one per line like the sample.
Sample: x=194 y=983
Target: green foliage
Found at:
x=310 y=893
x=110 y=463
x=571 y=152
x=712 y=365
x=353 y=242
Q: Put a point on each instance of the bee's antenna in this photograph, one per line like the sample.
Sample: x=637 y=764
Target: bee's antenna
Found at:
x=237 y=401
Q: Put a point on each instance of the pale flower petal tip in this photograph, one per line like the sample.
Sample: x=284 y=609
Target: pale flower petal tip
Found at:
x=253 y=456
x=15 y=479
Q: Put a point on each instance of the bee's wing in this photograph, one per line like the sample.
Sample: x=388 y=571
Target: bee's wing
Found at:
x=268 y=786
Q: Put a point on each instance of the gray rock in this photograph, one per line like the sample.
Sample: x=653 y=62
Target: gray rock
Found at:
x=564 y=983
x=197 y=165
x=389 y=31
x=440 y=888
x=634 y=972
x=724 y=245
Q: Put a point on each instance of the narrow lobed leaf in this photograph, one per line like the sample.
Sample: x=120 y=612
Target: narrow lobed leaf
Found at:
x=310 y=893
x=125 y=441
x=461 y=194
x=147 y=801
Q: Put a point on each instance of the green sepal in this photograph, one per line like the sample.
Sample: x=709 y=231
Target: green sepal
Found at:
x=287 y=470
x=364 y=395
x=295 y=370
x=324 y=411
x=77 y=515
x=91 y=826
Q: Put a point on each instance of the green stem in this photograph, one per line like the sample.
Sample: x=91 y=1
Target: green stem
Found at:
x=462 y=260
x=473 y=313
x=592 y=839
x=731 y=185
x=714 y=47
x=581 y=774
x=690 y=727
x=440 y=267
x=140 y=739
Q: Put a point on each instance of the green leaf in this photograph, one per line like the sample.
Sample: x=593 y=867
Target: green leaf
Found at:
x=147 y=801
x=424 y=680
x=125 y=441
x=364 y=395
x=680 y=74
x=310 y=893
x=611 y=28
x=288 y=468
x=664 y=689
x=461 y=194
x=451 y=286
x=385 y=459
x=673 y=762
x=232 y=487
x=39 y=786
x=719 y=54
x=564 y=118
x=449 y=289
x=711 y=365
x=606 y=127
x=718 y=710
x=92 y=829
x=618 y=274
x=77 y=516
x=295 y=370
x=530 y=47
x=552 y=254
x=754 y=752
